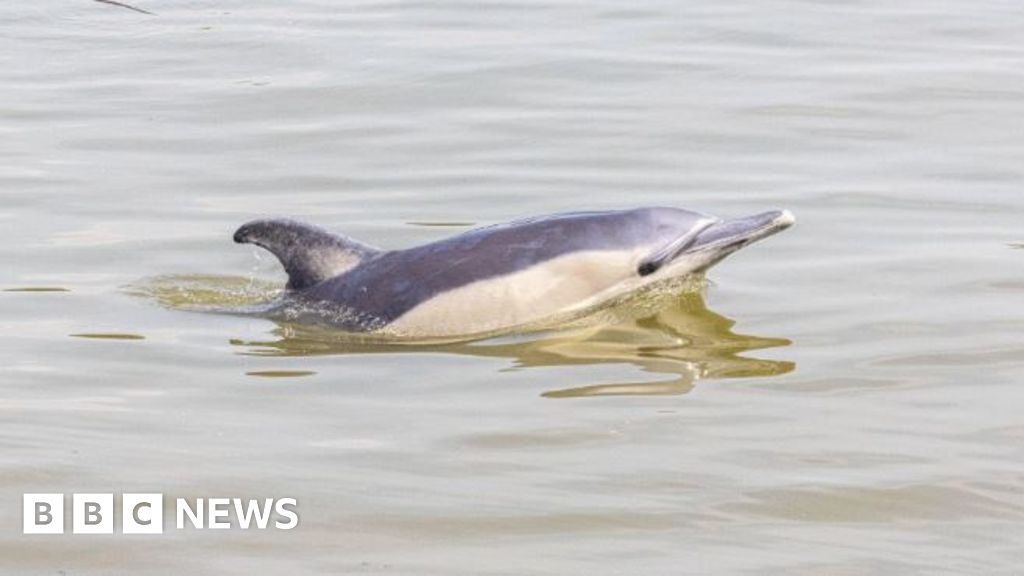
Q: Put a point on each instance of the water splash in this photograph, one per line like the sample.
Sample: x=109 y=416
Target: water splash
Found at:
x=208 y=293
x=251 y=296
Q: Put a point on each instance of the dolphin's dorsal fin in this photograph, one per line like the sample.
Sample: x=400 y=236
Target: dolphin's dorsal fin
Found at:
x=309 y=254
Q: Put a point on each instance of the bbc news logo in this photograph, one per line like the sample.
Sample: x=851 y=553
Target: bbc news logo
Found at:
x=144 y=513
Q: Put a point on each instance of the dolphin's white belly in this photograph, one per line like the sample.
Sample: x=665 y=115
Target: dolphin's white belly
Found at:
x=564 y=284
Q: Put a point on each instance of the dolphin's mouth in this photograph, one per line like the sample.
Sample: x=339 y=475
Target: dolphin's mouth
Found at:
x=727 y=236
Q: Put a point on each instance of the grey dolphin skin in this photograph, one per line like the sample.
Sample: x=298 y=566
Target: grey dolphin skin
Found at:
x=497 y=277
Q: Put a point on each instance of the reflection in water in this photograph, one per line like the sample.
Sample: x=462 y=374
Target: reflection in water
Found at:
x=667 y=332
x=681 y=339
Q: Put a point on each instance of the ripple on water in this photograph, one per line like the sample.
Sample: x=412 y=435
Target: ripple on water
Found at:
x=540 y=439
x=108 y=336
x=37 y=289
x=912 y=502
x=442 y=224
x=280 y=373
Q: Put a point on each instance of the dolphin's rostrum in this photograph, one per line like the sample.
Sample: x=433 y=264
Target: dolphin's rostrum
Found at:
x=497 y=277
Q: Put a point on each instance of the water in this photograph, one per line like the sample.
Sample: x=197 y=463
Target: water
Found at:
x=843 y=398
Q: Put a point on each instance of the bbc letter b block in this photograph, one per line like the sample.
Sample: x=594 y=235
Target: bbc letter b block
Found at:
x=92 y=513
x=43 y=514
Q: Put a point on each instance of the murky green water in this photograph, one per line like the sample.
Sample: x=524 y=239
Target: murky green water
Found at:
x=844 y=398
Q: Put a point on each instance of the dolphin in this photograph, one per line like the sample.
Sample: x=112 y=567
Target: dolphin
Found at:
x=500 y=277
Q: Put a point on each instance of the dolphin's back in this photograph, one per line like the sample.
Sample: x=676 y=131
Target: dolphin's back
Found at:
x=391 y=284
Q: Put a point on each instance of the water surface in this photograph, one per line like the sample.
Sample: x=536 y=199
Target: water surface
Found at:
x=844 y=398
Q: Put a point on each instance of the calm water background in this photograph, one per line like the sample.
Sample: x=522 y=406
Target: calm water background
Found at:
x=862 y=416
